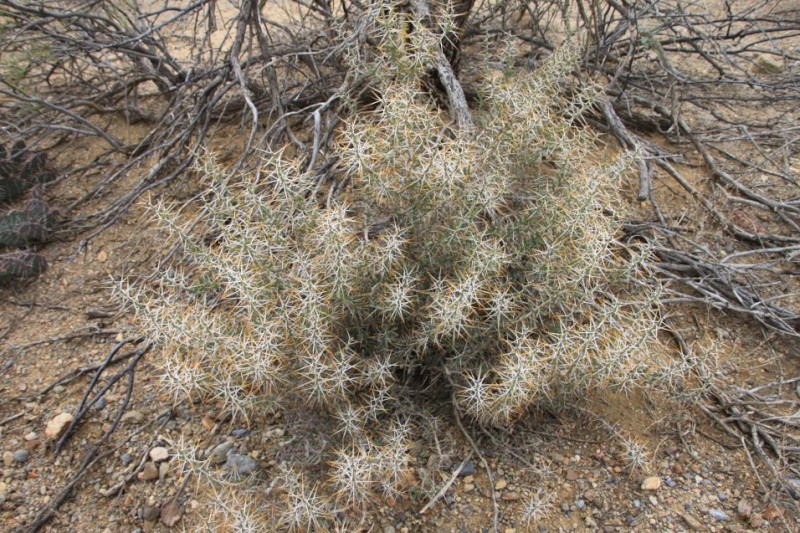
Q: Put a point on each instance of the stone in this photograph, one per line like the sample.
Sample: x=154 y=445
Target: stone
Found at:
x=171 y=513
x=149 y=472
x=744 y=509
x=468 y=470
x=469 y=487
x=500 y=484
x=163 y=470
x=572 y=475
x=770 y=64
x=126 y=458
x=149 y=513
x=132 y=417
x=510 y=496
x=241 y=465
x=718 y=514
x=57 y=425
x=651 y=483
x=20 y=456
x=692 y=523
x=220 y=453
x=31 y=436
x=159 y=454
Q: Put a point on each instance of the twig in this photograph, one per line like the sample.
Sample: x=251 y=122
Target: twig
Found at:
x=447 y=485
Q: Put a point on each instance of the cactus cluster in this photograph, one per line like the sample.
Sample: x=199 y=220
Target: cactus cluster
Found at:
x=23 y=171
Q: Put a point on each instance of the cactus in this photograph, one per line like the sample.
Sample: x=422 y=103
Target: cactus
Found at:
x=20 y=265
x=20 y=170
x=32 y=224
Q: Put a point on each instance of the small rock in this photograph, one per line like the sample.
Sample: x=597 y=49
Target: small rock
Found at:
x=693 y=523
x=500 y=484
x=241 y=465
x=389 y=529
x=572 y=475
x=126 y=458
x=744 y=509
x=158 y=454
x=651 y=483
x=171 y=513
x=469 y=487
x=149 y=513
x=57 y=425
x=20 y=456
x=132 y=417
x=100 y=404
x=220 y=453
x=510 y=496
x=240 y=432
x=31 y=436
x=669 y=482
x=718 y=514
x=580 y=504
x=8 y=458
x=149 y=472
x=468 y=470
x=769 y=64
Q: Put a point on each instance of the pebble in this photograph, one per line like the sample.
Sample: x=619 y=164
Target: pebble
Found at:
x=241 y=465
x=57 y=425
x=580 y=504
x=149 y=472
x=718 y=514
x=651 y=483
x=469 y=487
x=8 y=458
x=31 y=436
x=669 y=482
x=693 y=523
x=240 y=432
x=132 y=417
x=511 y=496
x=220 y=453
x=159 y=454
x=100 y=404
x=468 y=470
x=150 y=513
x=21 y=456
x=572 y=475
x=501 y=484
x=744 y=509
x=126 y=458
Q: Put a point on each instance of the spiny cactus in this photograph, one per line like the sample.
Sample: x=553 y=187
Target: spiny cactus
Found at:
x=20 y=170
x=20 y=265
x=31 y=224
x=488 y=262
